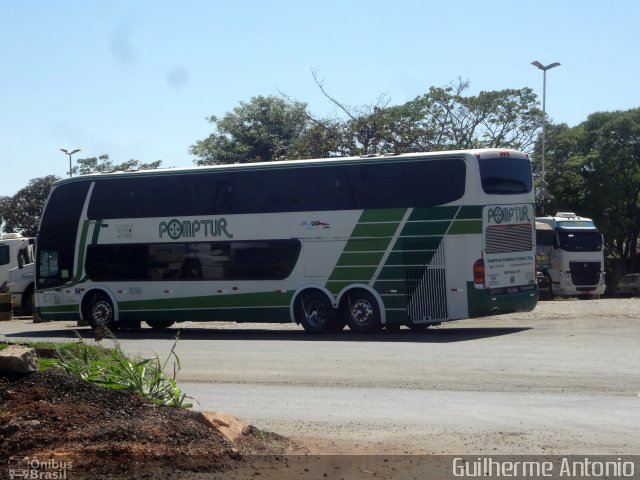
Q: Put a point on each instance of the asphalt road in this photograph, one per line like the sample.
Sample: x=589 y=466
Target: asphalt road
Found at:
x=563 y=379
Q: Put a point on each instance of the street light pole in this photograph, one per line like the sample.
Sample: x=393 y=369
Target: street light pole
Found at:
x=543 y=184
x=70 y=152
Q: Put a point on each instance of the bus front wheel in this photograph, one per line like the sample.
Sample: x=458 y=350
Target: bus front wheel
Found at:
x=101 y=312
x=315 y=312
x=362 y=312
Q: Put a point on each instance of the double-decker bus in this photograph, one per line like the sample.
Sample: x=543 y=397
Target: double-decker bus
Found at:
x=369 y=242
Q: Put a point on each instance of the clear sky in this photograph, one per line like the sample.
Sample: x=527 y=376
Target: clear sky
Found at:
x=136 y=79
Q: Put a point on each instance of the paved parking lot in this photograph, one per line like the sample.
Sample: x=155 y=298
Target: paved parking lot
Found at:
x=561 y=379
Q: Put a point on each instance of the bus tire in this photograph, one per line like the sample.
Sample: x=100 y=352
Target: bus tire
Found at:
x=315 y=312
x=101 y=311
x=159 y=324
x=362 y=312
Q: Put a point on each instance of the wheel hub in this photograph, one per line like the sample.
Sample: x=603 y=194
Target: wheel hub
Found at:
x=361 y=312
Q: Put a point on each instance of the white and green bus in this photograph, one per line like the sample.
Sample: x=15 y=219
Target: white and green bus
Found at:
x=368 y=242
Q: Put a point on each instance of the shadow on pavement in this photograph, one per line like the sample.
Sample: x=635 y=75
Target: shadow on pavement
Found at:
x=431 y=335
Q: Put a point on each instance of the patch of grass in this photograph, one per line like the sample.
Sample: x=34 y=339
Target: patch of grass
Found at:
x=111 y=368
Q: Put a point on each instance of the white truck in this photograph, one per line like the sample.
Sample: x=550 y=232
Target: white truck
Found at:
x=21 y=285
x=570 y=256
x=16 y=260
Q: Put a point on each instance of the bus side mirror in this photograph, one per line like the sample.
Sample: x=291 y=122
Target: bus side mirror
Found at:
x=556 y=242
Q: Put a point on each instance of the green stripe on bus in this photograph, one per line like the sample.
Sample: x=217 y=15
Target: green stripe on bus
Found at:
x=437 y=213
x=374 y=230
x=425 y=228
x=392 y=273
x=470 y=212
x=255 y=314
x=359 y=258
x=353 y=273
x=60 y=308
x=410 y=259
x=465 y=227
x=263 y=299
x=394 y=301
x=382 y=215
x=366 y=245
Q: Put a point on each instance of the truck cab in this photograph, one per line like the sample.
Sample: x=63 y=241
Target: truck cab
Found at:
x=570 y=256
x=16 y=261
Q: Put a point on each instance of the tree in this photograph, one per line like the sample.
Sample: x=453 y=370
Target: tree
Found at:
x=263 y=129
x=444 y=119
x=102 y=164
x=595 y=171
x=276 y=128
x=21 y=212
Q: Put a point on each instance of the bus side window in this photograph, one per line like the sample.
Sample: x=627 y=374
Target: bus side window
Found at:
x=224 y=194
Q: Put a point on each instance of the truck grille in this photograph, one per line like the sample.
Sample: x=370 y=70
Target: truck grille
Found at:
x=585 y=273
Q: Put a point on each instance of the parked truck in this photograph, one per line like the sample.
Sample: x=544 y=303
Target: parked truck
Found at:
x=16 y=252
x=21 y=285
x=570 y=256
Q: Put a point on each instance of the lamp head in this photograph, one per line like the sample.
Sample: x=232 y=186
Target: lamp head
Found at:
x=536 y=63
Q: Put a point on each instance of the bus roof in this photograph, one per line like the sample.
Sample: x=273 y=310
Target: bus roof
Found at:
x=479 y=153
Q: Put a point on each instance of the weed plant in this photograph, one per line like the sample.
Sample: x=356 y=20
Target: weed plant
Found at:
x=111 y=368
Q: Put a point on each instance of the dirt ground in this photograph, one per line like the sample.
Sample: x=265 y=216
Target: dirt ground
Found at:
x=62 y=420
x=56 y=426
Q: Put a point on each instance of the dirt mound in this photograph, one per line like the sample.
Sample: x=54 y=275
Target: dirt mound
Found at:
x=110 y=433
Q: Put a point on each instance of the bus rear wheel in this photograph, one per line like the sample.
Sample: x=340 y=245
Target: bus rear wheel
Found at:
x=101 y=312
x=315 y=312
x=362 y=312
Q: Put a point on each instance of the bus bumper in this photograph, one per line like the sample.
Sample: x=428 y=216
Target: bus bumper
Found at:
x=482 y=302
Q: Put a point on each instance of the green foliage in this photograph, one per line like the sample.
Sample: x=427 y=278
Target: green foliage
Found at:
x=444 y=119
x=102 y=164
x=263 y=129
x=111 y=368
x=273 y=128
x=21 y=212
x=594 y=170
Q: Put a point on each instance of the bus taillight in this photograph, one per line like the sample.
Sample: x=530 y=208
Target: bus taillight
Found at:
x=478 y=272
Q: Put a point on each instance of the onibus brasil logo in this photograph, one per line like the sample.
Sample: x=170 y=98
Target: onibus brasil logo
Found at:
x=176 y=229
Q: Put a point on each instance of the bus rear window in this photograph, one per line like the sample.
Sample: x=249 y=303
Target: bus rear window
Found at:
x=505 y=176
